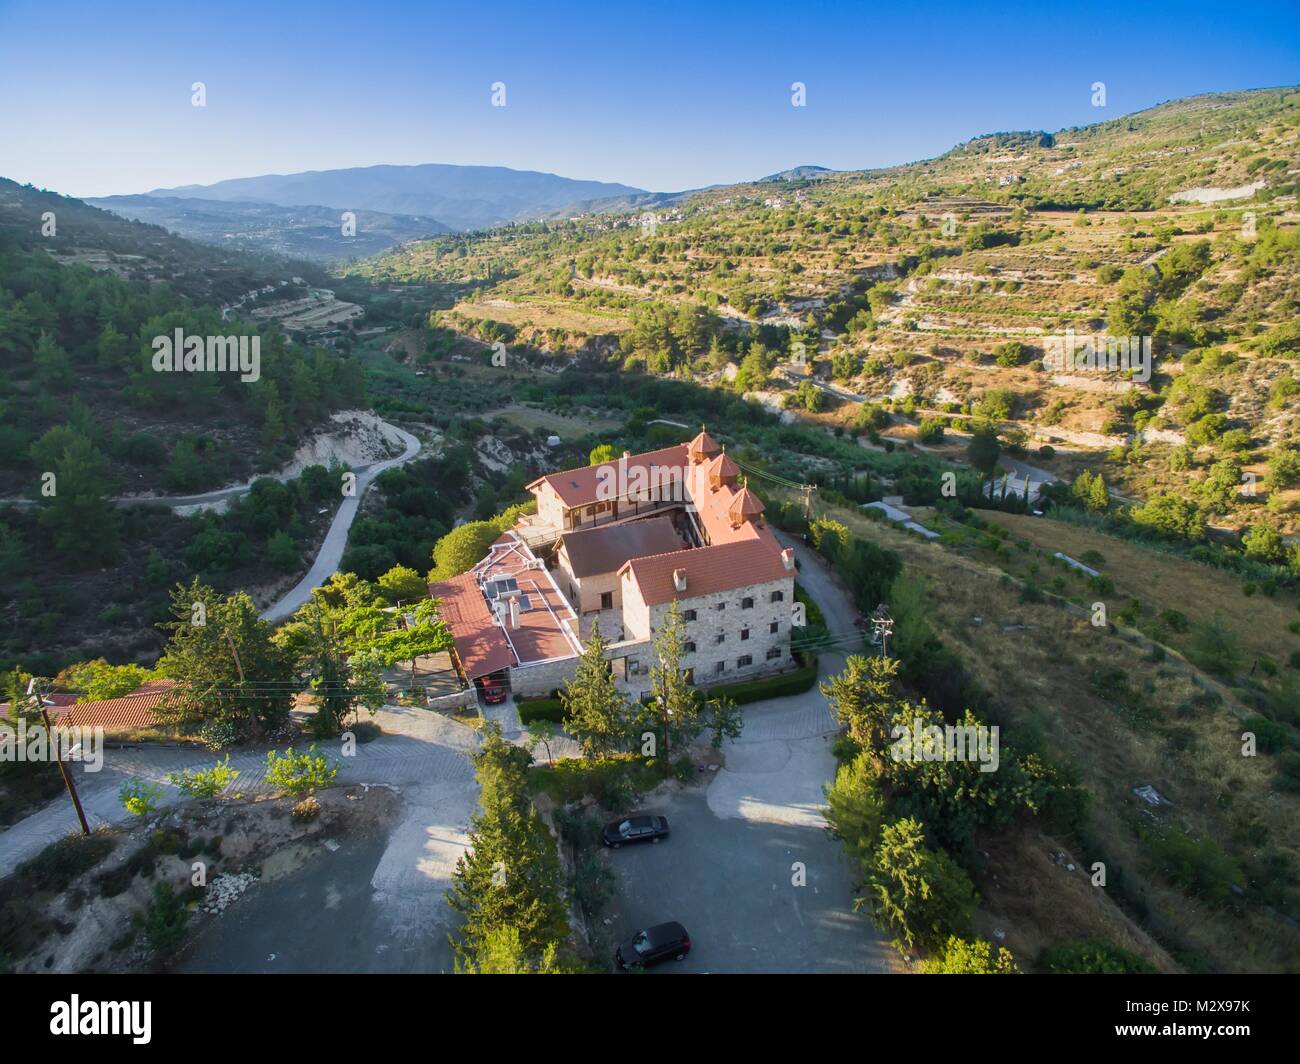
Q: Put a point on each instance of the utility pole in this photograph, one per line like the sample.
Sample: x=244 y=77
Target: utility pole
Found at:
x=33 y=689
x=807 y=501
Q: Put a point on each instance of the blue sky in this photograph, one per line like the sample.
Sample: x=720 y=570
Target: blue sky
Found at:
x=95 y=97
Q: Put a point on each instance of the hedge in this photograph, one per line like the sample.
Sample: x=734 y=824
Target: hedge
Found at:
x=532 y=709
x=786 y=683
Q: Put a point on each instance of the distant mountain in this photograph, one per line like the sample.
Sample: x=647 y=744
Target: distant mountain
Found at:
x=309 y=232
x=461 y=197
x=799 y=173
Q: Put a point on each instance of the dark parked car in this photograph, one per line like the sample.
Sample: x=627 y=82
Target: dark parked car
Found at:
x=653 y=945
x=635 y=829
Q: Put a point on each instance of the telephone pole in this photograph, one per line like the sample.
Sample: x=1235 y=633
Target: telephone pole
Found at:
x=33 y=689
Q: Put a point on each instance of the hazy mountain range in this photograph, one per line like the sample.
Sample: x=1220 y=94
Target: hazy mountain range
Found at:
x=300 y=214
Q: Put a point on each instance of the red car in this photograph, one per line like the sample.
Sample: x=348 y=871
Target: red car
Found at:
x=494 y=691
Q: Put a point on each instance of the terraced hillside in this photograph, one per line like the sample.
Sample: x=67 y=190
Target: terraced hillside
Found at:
x=934 y=290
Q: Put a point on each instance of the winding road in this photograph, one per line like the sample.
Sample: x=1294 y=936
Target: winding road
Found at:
x=336 y=539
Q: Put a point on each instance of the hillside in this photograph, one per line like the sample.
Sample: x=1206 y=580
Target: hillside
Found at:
x=85 y=418
x=461 y=197
x=935 y=290
x=313 y=233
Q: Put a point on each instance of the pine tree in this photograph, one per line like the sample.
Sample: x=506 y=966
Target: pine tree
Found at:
x=596 y=711
x=862 y=699
x=674 y=703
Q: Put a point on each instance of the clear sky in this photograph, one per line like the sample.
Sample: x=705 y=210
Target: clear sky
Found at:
x=95 y=97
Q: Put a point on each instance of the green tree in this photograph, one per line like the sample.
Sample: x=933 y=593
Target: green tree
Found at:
x=597 y=714
x=855 y=807
x=724 y=720
x=74 y=507
x=674 y=704
x=510 y=876
x=602 y=453
x=461 y=549
x=919 y=894
x=232 y=680
x=403 y=584
x=97 y=679
x=862 y=698
x=984 y=450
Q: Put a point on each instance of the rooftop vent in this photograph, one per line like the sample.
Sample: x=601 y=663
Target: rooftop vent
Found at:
x=679 y=579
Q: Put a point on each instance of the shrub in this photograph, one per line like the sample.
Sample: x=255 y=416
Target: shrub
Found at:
x=163 y=922
x=204 y=783
x=1270 y=736
x=297 y=774
x=1092 y=957
x=140 y=797
x=961 y=957
x=786 y=683
x=531 y=709
x=1198 y=866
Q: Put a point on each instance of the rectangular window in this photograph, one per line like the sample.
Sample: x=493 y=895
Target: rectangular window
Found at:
x=775 y=652
x=744 y=662
x=777 y=596
x=721 y=637
x=719 y=668
x=688 y=648
x=774 y=627
x=747 y=604
x=689 y=615
x=744 y=633
x=607 y=600
x=721 y=606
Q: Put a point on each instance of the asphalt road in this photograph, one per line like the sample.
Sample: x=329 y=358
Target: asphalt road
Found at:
x=336 y=539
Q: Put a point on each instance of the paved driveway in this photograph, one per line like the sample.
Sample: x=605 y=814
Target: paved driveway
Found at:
x=374 y=905
x=728 y=871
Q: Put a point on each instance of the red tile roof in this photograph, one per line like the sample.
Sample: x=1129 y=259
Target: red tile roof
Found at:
x=56 y=705
x=578 y=487
x=708 y=570
x=120 y=714
x=480 y=644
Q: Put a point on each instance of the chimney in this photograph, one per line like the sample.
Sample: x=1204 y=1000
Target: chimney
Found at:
x=627 y=454
x=514 y=613
x=787 y=558
x=679 y=579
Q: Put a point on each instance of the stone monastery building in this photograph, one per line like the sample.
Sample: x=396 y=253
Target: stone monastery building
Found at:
x=616 y=545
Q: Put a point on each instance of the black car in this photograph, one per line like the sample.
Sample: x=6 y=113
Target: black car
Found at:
x=653 y=945
x=635 y=829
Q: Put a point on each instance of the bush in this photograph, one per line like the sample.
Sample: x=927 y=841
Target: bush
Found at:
x=786 y=683
x=532 y=709
x=163 y=922
x=140 y=797
x=1270 y=736
x=298 y=774
x=204 y=783
x=1092 y=957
